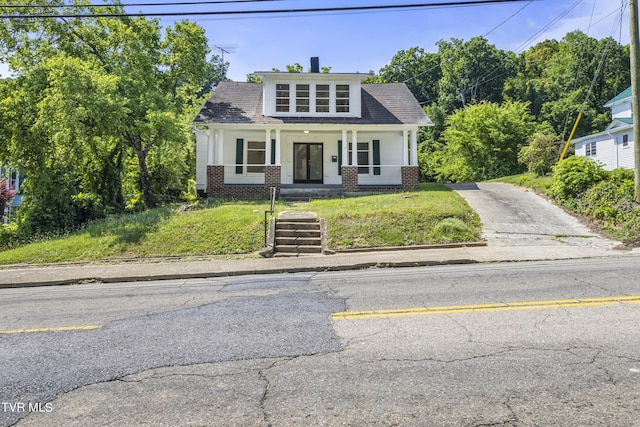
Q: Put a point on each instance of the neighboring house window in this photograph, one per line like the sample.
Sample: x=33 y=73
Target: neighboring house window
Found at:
x=342 y=98
x=282 y=98
x=625 y=140
x=362 y=149
x=590 y=148
x=255 y=156
x=302 y=98
x=322 y=98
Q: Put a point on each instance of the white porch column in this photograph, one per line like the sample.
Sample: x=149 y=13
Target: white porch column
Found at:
x=278 y=147
x=414 y=148
x=220 y=140
x=345 y=149
x=267 y=147
x=405 y=152
x=354 y=147
x=210 y=141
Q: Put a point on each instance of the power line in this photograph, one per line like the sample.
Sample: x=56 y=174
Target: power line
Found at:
x=82 y=6
x=265 y=11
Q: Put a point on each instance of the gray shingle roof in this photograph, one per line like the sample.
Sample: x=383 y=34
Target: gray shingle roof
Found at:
x=382 y=104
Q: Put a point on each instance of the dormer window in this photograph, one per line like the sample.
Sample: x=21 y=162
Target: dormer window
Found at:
x=282 y=98
x=322 y=98
x=302 y=98
x=342 y=98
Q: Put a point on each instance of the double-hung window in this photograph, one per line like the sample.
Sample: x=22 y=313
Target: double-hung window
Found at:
x=322 y=98
x=302 y=98
x=282 y=98
x=342 y=98
x=590 y=149
x=255 y=156
x=362 y=153
x=625 y=140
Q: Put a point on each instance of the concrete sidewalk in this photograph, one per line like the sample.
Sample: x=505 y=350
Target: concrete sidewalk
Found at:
x=137 y=271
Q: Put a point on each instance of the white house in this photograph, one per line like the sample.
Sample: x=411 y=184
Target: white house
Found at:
x=307 y=130
x=13 y=179
x=613 y=147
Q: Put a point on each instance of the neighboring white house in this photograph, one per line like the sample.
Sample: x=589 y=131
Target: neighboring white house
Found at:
x=307 y=130
x=13 y=181
x=613 y=147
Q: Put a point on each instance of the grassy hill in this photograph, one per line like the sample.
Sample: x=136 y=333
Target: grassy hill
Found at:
x=433 y=214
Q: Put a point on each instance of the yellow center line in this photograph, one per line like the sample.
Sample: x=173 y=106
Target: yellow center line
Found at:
x=57 y=329
x=485 y=308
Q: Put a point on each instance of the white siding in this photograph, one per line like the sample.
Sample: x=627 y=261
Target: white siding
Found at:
x=622 y=109
x=610 y=150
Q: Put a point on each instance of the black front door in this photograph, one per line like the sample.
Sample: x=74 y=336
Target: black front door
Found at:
x=307 y=163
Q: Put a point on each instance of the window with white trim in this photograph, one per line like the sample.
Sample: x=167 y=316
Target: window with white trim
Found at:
x=322 y=98
x=362 y=150
x=302 y=98
x=625 y=140
x=590 y=149
x=342 y=98
x=255 y=156
x=282 y=98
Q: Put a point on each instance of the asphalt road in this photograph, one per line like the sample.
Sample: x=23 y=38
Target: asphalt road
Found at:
x=546 y=343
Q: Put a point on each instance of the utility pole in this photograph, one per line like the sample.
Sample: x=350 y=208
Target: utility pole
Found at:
x=634 y=36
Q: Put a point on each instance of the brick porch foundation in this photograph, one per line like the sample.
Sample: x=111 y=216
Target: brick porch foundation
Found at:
x=350 y=179
x=410 y=177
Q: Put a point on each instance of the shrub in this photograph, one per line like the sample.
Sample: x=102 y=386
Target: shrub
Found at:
x=573 y=176
x=541 y=153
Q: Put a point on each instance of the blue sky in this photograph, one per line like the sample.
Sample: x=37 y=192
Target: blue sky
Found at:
x=364 y=41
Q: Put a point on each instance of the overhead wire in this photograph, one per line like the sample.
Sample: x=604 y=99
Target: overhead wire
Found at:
x=448 y=4
x=89 y=6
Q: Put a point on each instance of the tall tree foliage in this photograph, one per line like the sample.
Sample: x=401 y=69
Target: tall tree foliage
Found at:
x=418 y=69
x=482 y=141
x=89 y=92
x=472 y=72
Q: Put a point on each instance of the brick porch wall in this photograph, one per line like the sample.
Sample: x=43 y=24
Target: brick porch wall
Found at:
x=410 y=177
x=217 y=188
x=215 y=180
x=350 y=178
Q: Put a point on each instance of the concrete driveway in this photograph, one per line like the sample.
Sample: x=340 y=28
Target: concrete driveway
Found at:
x=516 y=216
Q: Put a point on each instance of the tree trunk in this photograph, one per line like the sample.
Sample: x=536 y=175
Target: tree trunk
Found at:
x=135 y=142
x=145 y=180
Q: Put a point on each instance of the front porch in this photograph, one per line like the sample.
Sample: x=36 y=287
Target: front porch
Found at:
x=301 y=163
x=216 y=186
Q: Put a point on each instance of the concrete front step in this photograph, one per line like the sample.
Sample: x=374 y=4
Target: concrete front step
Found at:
x=281 y=225
x=299 y=233
x=297 y=249
x=298 y=241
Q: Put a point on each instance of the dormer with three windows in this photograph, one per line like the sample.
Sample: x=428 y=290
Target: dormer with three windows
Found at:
x=311 y=94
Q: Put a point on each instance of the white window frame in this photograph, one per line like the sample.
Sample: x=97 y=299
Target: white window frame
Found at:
x=281 y=106
x=590 y=149
x=625 y=140
x=255 y=168
x=363 y=168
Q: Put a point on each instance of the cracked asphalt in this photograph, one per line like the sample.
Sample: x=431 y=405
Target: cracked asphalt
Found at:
x=263 y=350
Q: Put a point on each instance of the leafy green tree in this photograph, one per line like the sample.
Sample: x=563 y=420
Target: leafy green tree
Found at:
x=418 y=69
x=555 y=77
x=482 y=141
x=102 y=84
x=542 y=152
x=472 y=72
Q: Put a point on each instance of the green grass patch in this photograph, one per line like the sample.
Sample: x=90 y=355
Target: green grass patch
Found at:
x=433 y=214
x=538 y=183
